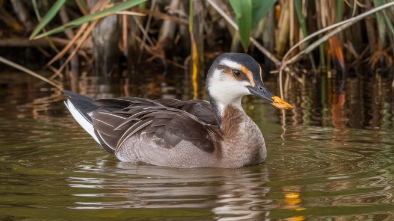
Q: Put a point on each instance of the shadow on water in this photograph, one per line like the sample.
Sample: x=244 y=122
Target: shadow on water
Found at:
x=335 y=160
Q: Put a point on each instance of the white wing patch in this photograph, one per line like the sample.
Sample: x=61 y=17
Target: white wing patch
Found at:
x=81 y=120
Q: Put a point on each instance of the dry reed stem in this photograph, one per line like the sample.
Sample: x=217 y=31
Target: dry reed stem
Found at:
x=144 y=32
x=147 y=25
x=25 y=42
x=341 y=26
x=81 y=41
x=19 y=67
x=163 y=16
x=344 y=24
x=196 y=30
x=81 y=30
x=152 y=52
x=282 y=36
x=123 y=42
x=81 y=8
x=8 y=19
x=69 y=45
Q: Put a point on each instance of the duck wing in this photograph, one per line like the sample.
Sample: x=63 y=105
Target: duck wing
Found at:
x=117 y=120
x=199 y=108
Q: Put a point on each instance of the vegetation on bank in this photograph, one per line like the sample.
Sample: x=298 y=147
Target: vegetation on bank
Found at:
x=288 y=35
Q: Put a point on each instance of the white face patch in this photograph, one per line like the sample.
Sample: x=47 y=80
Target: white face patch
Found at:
x=227 y=90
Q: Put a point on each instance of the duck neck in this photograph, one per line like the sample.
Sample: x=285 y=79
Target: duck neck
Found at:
x=222 y=110
x=242 y=142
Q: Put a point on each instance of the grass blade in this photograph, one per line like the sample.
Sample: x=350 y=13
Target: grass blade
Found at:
x=301 y=19
x=381 y=22
x=48 y=17
x=94 y=16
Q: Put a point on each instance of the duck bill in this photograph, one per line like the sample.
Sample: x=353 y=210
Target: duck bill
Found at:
x=262 y=92
x=281 y=104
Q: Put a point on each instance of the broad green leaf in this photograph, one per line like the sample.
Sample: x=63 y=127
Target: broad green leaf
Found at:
x=94 y=16
x=243 y=14
x=48 y=17
x=248 y=14
x=259 y=9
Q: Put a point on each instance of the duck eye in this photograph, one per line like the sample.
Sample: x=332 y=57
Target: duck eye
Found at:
x=237 y=73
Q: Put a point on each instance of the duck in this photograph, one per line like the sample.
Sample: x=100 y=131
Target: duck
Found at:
x=184 y=134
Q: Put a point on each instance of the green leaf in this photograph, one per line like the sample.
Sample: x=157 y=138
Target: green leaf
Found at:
x=83 y=5
x=259 y=9
x=48 y=17
x=248 y=14
x=340 y=10
x=94 y=16
x=243 y=14
x=381 y=23
x=301 y=19
x=388 y=22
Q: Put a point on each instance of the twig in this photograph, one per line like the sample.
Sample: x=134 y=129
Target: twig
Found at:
x=17 y=66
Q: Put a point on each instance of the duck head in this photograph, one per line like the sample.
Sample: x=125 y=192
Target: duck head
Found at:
x=234 y=75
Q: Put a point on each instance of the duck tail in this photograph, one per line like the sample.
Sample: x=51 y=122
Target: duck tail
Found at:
x=80 y=106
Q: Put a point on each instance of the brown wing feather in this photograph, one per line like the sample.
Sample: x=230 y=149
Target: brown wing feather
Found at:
x=105 y=124
x=166 y=122
x=198 y=108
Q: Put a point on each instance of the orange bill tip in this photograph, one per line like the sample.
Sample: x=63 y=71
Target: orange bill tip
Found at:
x=281 y=104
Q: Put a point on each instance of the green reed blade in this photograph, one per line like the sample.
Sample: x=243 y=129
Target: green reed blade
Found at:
x=380 y=22
x=301 y=19
x=339 y=10
x=248 y=14
x=260 y=9
x=48 y=17
x=94 y=16
x=82 y=3
x=388 y=22
x=243 y=14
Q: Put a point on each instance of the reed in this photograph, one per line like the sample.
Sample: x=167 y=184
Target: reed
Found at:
x=306 y=33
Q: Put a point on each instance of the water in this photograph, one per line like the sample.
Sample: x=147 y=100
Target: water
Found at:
x=332 y=161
